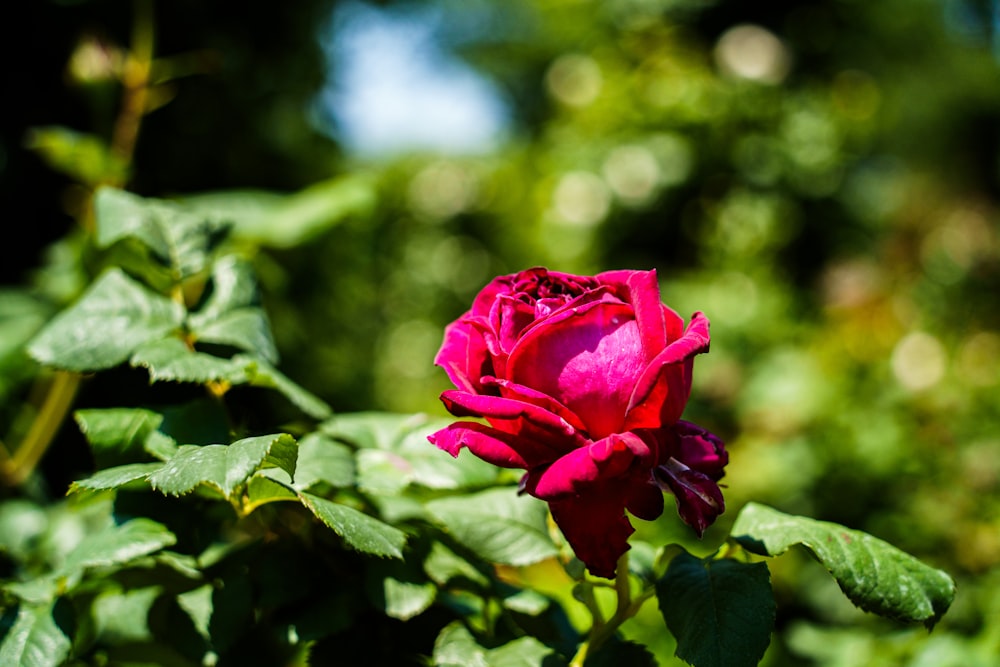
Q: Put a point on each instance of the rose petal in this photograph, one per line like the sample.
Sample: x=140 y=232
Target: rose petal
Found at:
x=496 y=447
x=464 y=356
x=699 y=449
x=581 y=469
x=587 y=358
x=596 y=527
x=699 y=498
x=514 y=416
x=645 y=500
x=519 y=392
x=663 y=389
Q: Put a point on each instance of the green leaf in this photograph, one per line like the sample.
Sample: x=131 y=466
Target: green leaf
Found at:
x=284 y=221
x=113 y=318
x=456 y=647
x=112 y=478
x=720 y=611
x=616 y=652
x=443 y=565
x=118 y=544
x=224 y=467
x=497 y=525
x=876 y=576
x=170 y=360
x=119 y=434
x=323 y=460
x=399 y=589
x=35 y=639
x=360 y=531
x=394 y=453
x=84 y=157
x=262 y=374
x=123 y=616
x=179 y=238
x=261 y=489
x=231 y=314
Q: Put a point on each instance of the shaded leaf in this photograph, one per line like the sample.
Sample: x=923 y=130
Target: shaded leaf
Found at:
x=118 y=544
x=224 y=467
x=84 y=157
x=35 y=639
x=720 y=611
x=112 y=318
x=615 y=653
x=360 y=531
x=399 y=589
x=875 y=576
x=456 y=647
x=117 y=434
x=497 y=525
x=262 y=374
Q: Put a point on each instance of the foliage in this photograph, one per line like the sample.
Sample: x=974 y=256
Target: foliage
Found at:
x=222 y=358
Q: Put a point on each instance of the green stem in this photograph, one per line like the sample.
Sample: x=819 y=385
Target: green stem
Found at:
x=625 y=609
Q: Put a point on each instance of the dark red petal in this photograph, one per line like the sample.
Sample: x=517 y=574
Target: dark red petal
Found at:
x=699 y=449
x=663 y=388
x=645 y=499
x=699 y=499
x=596 y=527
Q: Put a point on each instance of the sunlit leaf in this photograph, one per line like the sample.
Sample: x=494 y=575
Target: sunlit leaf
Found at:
x=720 y=611
x=112 y=478
x=180 y=239
x=360 y=531
x=394 y=453
x=231 y=314
x=288 y=220
x=323 y=460
x=114 y=317
x=224 y=467
x=875 y=575
x=170 y=360
x=497 y=525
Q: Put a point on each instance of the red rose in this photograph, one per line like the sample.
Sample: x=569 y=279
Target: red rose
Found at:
x=582 y=381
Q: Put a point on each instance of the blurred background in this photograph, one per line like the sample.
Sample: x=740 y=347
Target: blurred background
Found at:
x=820 y=178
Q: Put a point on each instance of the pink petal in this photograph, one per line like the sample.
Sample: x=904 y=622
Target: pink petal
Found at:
x=490 y=445
x=587 y=358
x=525 y=420
x=583 y=468
x=519 y=392
x=464 y=356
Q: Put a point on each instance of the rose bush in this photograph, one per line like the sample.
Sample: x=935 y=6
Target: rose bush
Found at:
x=582 y=381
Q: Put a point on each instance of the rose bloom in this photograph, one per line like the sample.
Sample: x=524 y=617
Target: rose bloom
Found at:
x=582 y=381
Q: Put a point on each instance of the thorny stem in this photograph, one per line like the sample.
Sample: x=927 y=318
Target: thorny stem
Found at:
x=16 y=465
x=625 y=608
